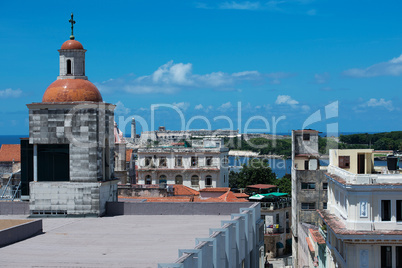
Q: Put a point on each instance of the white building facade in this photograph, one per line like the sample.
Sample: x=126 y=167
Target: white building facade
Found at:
x=363 y=221
x=197 y=167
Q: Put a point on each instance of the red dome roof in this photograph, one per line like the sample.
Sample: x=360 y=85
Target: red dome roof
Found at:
x=72 y=44
x=69 y=90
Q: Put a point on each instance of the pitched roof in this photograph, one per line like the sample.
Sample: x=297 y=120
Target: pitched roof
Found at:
x=181 y=190
x=128 y=154
x=317 y=237
x=310 y=245
x=241 y=195
x=10 y=152
x=261 y=186
x=217 y=189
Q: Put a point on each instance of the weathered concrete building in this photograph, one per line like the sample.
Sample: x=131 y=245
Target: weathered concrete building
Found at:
x=72 y=143
x=276 y=212
x=164 y=136
x=10 y=171
x=309 y=184
x=200 y=166
x=363 y=221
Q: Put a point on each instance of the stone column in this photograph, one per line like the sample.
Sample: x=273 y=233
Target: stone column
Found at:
x=35 y=161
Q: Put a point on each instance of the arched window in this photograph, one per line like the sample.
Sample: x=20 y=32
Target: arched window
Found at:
x=195 y=181
x=162 y=179
x=178 y=179
x=68 y=66
x=148 y=179
x=208 y=181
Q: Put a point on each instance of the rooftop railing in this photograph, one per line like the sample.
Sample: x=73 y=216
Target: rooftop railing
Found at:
x=276 y=204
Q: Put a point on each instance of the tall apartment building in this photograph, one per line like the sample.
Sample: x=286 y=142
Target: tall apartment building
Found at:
x=200 y=166
x=363 y=221
x=309 y=186
x=276 y=212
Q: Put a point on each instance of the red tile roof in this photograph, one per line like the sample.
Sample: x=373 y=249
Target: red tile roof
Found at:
x=230 y=197
x=128 y=154
x=339 y=227
x=310 y=245
x=181 y=190
x=241 y=195
x=261 y=186
x=10 y=152
x=217 y=189
x=317 y=237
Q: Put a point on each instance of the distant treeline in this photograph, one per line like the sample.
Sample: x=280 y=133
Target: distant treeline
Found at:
x=261 y=145
x=379 y=141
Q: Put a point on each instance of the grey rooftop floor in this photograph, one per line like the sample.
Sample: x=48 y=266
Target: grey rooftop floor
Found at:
x=120 y=241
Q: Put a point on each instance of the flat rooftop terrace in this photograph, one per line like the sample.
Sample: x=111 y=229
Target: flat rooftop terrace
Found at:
x=119 y=241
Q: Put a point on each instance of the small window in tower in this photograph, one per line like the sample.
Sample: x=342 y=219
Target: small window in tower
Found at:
x=83 y=68
x=68 y=66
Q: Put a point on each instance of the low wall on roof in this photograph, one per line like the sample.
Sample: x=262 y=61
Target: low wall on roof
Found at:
x=14 y=208
x=173 y=208
x=20 y=232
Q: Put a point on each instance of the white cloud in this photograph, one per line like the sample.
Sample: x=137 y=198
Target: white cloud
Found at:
x=10 y=93
x=121 y=109
x=246 y=5
x=172 y=77
x=321 y=78
x=294 y=104
x=392 y=67
x=182 y=105
x=379 y=103
x=225 y=106
x=199 y=107
x=286 y=99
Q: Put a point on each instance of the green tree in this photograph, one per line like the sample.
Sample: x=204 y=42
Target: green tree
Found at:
x=255 y=172
x=285 y=184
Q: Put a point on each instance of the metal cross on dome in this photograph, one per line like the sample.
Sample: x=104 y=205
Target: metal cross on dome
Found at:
x=72 y=21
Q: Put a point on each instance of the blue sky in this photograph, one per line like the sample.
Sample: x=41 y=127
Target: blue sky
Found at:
x=299 y=63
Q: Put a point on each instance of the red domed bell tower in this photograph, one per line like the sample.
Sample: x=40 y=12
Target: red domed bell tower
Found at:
x=71 y=133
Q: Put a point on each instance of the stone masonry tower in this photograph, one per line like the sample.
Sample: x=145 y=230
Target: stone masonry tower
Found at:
x=72 y=138
x=309 y=188
x=133 y=130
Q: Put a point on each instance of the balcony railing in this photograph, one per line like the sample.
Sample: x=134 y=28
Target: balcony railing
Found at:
x=270 y=231
x=353 y=178
x=276 y=205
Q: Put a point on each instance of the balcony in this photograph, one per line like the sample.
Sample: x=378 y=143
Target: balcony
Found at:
x=275 y=230
x=265 y=206
x=352 y=178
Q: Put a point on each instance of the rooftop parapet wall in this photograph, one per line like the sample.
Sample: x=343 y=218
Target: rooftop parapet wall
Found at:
x=238 y=242
x=346 y=177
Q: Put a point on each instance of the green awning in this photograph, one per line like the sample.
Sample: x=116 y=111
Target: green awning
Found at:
x=274 y=194
x=257 y=197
